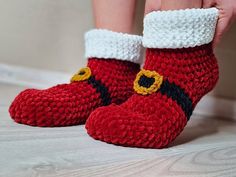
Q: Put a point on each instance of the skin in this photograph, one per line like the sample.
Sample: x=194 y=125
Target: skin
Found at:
x=171 y=4
x=121 y=18
x=227 y=14
x=115 y=15
x=227 y=11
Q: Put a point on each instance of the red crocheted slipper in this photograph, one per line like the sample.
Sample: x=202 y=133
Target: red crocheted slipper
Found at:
x=102 y=82
x=170 y=85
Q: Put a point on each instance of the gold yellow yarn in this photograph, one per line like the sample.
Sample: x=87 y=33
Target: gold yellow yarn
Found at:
x=81 y=75
x=153 y=88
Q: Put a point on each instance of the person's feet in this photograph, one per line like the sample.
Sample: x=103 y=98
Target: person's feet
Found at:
x=103 y=82
x=142 y=121
x=168 y=88
x=180 y=68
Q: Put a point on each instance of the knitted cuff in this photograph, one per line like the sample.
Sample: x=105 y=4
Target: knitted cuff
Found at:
x=107 y=44
x=179 y=28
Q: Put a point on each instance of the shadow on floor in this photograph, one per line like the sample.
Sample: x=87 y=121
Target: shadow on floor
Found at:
x=199 y=129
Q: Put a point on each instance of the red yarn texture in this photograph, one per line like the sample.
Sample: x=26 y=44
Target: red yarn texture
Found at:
x=71 y=104
x=155 y=120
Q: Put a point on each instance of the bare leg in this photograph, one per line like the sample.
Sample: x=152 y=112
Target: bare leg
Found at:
x=180 y=4
x=153 y=5
x=115 y=15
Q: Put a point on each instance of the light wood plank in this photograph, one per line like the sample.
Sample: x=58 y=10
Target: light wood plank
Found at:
x=207 y=147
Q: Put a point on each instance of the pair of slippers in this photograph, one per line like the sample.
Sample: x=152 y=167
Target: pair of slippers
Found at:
x=122 y=104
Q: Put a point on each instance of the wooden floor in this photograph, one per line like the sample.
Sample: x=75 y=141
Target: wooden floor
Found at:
x=206 y=148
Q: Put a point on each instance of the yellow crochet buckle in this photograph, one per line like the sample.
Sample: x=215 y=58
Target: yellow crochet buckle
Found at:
x=81 y=75
x=147 y=82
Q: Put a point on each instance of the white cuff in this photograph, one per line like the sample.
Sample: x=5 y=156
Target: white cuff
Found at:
x=179 y=28
x=107 y=44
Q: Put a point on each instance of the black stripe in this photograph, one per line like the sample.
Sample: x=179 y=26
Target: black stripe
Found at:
x=100 y=88
x=178 y=94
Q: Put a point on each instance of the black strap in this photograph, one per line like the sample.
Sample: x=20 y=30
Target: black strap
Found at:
x=102 y=89
x=178 y=94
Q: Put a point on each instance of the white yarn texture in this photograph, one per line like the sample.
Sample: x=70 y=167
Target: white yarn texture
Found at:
x=101 y=43
x=179 y=28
